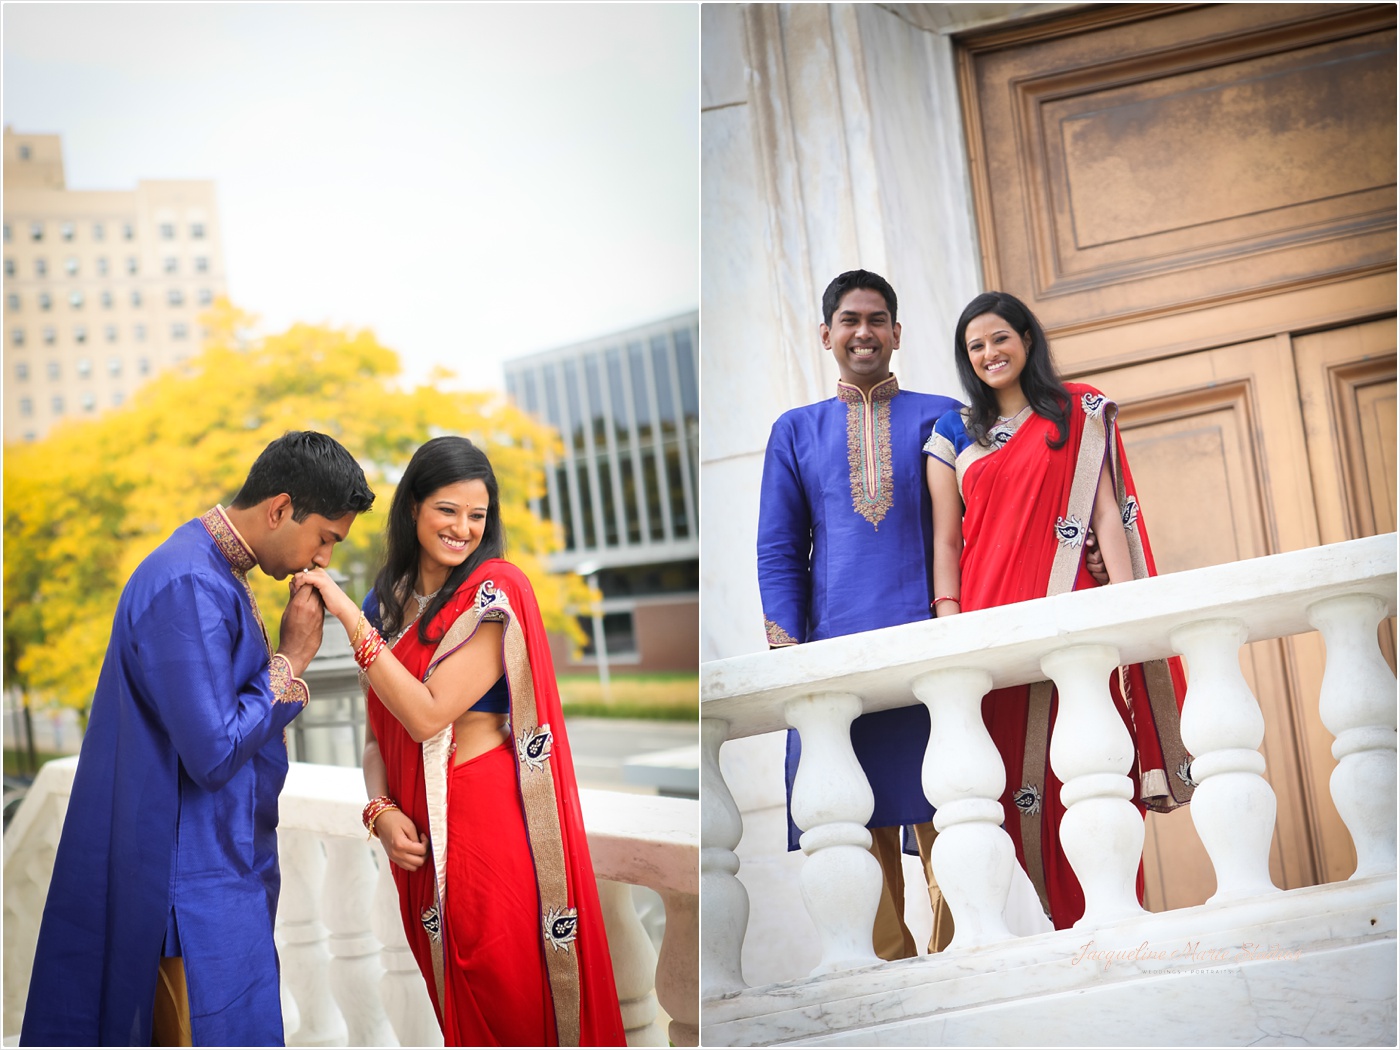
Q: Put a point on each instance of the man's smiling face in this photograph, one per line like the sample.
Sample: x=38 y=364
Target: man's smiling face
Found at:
x=862 y=337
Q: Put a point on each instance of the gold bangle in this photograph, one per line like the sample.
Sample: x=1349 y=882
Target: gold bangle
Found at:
x=360 y=626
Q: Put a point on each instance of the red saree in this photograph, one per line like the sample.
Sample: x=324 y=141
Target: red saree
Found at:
x=1027 y=508
x=504 y=918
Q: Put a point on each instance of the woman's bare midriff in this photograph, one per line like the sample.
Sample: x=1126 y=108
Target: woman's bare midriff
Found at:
x=476 y=733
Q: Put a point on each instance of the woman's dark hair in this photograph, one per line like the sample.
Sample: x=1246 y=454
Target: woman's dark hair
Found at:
x=442 y=461
x=1039 y=381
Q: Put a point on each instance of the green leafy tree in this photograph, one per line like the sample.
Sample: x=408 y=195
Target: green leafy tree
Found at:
x=86 y=504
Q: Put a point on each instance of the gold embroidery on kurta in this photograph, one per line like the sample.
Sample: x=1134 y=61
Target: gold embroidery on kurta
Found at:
x=868 y=447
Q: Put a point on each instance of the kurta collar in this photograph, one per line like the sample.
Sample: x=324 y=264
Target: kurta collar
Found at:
x=884 y=390
x=231 y=545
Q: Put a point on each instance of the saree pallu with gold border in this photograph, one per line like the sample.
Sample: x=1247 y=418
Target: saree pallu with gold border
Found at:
x=1027 y=510
x=503 y=919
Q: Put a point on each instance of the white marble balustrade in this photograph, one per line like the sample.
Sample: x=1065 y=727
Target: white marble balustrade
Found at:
x=1076 y=640
x=348 y=976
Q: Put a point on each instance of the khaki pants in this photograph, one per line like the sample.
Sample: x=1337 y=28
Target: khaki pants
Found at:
x=171 y=1023
x=892 y=938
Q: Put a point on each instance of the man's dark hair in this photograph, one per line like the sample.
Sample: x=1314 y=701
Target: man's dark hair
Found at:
x=852 y=279
x=314 y=470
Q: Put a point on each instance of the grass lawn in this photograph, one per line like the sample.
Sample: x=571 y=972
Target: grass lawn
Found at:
x=673 y=696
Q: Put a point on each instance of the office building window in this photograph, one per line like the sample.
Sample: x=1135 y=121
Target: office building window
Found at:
x=102 y=266
x=138 y=332
x=143 y=366
x=118 y=399
x=7 y=233
x=21 y=369
x=17 y=337
x=12 y=300
x=136 y=297
x=67 y=231
x=172 y=264
x=54 y=370
x=9 y=267
x=179 y=330
x=167 y=231
x=618 y=635
x=41 y=267
x=98 y=232
x=26 y=406
x=80 y=333
x=84 y=367
x=57 y=404
x=49 y=335
x=111 y=332
x=75 y=299
x=201 y=264
x=114 y=366
x=175 y=297
x=106 y=300
x=24 y=151
x=205 y=297
x=89 y=403
x=128 y=232
x=45 y=301
x=36 y=231
x=131 y=264
x=197 y=231
x=70 y=264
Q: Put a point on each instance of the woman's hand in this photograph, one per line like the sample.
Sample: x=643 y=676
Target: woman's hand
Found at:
x=338 y=603
x=401 y=839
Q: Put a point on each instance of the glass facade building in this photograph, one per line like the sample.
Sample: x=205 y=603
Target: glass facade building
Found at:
x=624 y=493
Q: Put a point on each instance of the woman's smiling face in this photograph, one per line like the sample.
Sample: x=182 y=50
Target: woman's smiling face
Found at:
x=450 y=522
x=997 y=351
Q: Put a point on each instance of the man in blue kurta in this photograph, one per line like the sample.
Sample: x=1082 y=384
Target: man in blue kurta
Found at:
x=845 y=537
x=165 y=884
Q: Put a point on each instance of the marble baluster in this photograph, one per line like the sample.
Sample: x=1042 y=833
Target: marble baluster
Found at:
x=355 y=970
x=1091 y=751
x=831 y=803
x=302 y=941
x=402 y=989
x=1233 y=807
x=964 y=777
x=1357 y=704
x=677 y=982
x=633 y=962
x=726 y=901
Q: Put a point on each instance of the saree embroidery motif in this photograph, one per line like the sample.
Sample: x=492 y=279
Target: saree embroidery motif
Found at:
x=561 y=927
x=533 y=747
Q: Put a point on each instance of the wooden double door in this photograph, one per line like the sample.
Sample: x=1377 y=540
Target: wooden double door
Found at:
x=1205 y=222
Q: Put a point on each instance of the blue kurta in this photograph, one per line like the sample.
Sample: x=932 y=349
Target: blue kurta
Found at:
x=845 y=544
x=170 y=842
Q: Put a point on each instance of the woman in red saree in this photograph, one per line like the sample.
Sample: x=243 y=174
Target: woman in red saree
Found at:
x=469 y=768
x=1017 y=481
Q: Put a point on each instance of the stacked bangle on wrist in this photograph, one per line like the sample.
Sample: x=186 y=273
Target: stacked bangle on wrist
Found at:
x=946 y=598
x=374 y=808
x=368 y=649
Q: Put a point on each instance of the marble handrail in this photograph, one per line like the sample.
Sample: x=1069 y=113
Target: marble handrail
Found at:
x=1075 y=639
x=348 y=976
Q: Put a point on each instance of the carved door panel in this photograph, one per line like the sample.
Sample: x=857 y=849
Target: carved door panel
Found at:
x=1215 y=444
x=1177 y=190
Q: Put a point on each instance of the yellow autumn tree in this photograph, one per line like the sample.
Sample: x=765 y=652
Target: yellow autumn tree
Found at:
x=86 y=504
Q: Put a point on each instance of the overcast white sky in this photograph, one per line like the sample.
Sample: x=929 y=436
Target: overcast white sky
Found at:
x=472 y=182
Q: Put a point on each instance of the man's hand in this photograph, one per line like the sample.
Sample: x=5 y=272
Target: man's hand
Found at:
x=1093 y=559
x=302 y=622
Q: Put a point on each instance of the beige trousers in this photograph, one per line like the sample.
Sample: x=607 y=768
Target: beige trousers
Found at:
x=892 y=938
